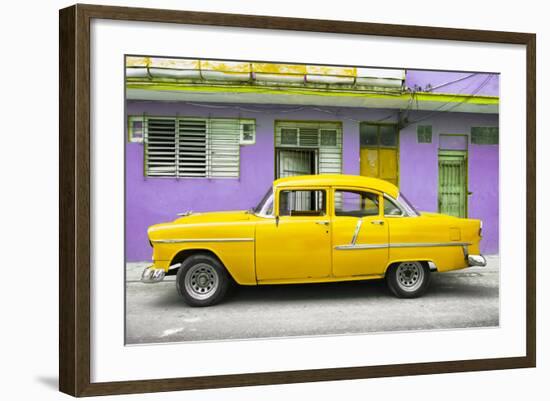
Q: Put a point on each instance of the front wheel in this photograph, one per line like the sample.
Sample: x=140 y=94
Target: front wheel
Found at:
x=202 y=280
x=408 y=279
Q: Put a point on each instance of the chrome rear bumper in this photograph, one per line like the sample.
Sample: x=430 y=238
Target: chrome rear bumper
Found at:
x=152 y=275
x=476 y=260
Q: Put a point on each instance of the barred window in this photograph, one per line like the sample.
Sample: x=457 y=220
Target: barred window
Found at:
x=484 y=135
x=194 y=147
x=424 y=133
x=308 y=147
x=373 y=135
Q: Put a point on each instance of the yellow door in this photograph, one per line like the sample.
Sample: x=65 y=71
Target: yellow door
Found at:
x=296 y=244
x=379 y=155
x=359 y=234
x=369 y=162
x=379 y=163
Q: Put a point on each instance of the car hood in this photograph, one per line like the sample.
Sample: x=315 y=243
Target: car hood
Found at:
x=197 y=219
x=211 y=217
x=214 y=217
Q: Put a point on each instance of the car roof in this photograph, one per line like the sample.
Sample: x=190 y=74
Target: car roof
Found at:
x=332 y=180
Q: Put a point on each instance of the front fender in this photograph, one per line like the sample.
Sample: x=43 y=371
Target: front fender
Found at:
x=232 y=243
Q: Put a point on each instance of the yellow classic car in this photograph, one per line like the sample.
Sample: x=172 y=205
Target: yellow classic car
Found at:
x=312 y=229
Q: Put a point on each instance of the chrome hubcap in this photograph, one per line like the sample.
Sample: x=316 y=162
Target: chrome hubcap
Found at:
x=201 y=281
x=410 y=276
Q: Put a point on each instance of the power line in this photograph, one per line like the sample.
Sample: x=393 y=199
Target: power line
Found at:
x=455 y=105
x=410 y=105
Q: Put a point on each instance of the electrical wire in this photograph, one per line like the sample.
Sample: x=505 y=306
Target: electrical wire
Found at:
x=455 y=105
x=403 y=122
x=450 y=82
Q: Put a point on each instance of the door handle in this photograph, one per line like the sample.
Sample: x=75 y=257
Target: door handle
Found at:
x=322 y=223
x=378 y=222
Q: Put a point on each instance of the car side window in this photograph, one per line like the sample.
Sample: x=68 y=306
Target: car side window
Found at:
x=302 y=203
x=355 y=203
x=391 y=209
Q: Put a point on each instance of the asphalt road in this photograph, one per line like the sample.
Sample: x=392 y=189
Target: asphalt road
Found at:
x=155 y=313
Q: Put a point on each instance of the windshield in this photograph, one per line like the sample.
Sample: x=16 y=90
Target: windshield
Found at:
x=265 y=207
x=409 y=208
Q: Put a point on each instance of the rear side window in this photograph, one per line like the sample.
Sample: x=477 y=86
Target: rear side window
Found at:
x=356 y=203
x=302 y=203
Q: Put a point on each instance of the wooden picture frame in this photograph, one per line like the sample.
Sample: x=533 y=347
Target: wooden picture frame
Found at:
x=74 y=204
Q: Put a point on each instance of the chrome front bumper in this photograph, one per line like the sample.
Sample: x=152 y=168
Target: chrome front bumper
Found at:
x=151 y=275
x=476 y=260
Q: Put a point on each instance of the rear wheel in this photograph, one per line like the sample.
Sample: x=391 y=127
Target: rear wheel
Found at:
x=408 y=279
x=202 y=280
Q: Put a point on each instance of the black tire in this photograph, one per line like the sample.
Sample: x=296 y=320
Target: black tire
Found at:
x=408 y=279
x=202 y=280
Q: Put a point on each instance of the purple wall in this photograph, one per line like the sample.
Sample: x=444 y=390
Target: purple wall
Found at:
x=419 y=169
x=154 y=200
x=453 y=82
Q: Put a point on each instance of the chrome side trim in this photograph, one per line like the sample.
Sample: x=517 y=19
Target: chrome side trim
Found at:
x=185 y=240
x=428 y=244
x=402 y=245
x=352 y=247
x=356 y=232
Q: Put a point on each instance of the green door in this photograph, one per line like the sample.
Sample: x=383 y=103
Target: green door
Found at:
x=452 y=183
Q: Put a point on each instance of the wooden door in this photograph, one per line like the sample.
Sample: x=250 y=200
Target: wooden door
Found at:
x=379 y=151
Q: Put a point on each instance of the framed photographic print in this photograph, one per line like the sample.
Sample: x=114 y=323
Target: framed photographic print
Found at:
x=250 y=200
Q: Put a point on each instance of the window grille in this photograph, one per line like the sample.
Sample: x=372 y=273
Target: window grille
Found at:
x=191 y=152
x=160 y=149
x=309 y=137
x=193 y=147
x=329 y=137
x=424 y=133
x=325 y=138
x=484 y=135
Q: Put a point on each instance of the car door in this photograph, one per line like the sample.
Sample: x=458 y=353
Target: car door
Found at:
x=359 y=233
x=295 y=245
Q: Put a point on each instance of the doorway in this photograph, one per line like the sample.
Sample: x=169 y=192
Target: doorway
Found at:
x=291 y=162
x=307 y=147
x=452 y=192
x=379 y=156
